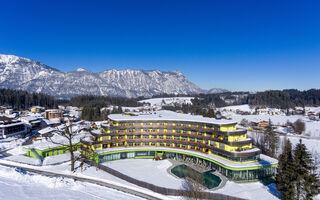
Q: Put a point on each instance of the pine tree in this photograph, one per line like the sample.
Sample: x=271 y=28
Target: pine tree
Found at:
x=307 y=179
x=286 y=173
x=271 y=140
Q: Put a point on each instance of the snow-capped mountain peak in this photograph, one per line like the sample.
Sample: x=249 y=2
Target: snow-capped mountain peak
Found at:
x=26 y=74
x=8 y=58
x=81 y=70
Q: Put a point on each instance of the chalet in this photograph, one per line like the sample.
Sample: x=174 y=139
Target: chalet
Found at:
x=46 y=132
x=263 y=124
x=37 y=109
x=51 y=122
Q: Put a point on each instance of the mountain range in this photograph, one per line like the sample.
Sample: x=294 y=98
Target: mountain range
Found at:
x=32 y=76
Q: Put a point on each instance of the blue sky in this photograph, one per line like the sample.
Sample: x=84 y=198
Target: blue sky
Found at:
x=237 y=45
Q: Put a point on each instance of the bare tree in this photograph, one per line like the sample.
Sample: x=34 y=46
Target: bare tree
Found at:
x=244 y=122
x=69 y=135
x=194 y=187
x=299 y=126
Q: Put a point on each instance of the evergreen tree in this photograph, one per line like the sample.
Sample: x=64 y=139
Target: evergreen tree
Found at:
x=307 y=179
x=18 y=99
x=286 y=173
x=271 y=140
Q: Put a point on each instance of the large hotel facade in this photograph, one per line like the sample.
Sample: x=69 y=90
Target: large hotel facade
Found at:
x=212 y=143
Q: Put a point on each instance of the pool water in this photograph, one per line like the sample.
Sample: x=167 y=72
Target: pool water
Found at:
x=209 y=180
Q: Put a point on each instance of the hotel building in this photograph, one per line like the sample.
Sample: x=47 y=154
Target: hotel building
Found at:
x=212 y=143
x=11 y=127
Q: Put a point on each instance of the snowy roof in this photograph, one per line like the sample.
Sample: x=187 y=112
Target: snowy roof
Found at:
x=166 y=115
x=29 y=118
x=55 y=120
x=245 y=108
x=265 y=160
x=47 y=130
x=40 y=107
x=98 y=132
x=47 y=144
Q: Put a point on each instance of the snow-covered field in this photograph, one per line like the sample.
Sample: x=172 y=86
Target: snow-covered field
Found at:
x=244 y=108
x=15 y=184
x=312 y=127
x=254 y=191
x=147 y=170
x=10 y=142
x=143 y=169
x=311 y=136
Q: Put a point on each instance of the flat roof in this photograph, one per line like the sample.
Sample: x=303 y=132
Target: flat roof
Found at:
x=47 y=144
x=166 y=115
x=265 y=160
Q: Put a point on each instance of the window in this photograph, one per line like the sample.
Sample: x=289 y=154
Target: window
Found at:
x=115 y=156
x=130 y=155
x=141 y=153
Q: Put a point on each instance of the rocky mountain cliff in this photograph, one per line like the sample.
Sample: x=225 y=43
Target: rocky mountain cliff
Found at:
x=26 y=74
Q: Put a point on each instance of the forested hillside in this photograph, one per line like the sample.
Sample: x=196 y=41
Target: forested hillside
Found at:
x=102 y=101
x=18 y=99
x=285 y=98
x=270 y=98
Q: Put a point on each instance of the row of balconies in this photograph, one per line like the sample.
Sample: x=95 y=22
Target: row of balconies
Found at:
x=168 y=134
x=176 y=123
x=209 y=130
x=242 y=153
x=203 y=144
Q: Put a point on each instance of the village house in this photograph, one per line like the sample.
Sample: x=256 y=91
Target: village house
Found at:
x=36 y=109
x=53 y=113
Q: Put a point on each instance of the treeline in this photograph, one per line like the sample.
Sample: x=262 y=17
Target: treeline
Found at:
x=18 y=99
x=92 y=105
x=95 y=113
x=285 y=99
x=102 y=101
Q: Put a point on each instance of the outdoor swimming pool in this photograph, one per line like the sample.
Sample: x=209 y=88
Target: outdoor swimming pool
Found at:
x=207 y=178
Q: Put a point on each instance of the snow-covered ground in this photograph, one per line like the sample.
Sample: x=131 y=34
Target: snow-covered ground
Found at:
x=88 y=172
x=147 y=170
x=255 y=190
x=312 y=127
x=154 y=172
x=10 y=142
x=311 y=136
x=244 y=108
x=15 y=184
